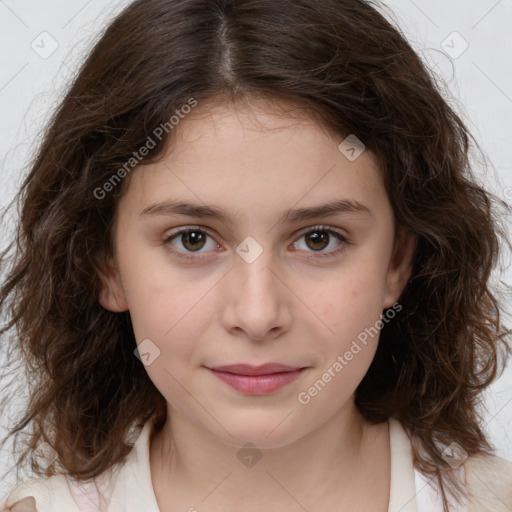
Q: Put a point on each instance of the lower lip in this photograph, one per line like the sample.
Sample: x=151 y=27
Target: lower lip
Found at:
x=257 y=384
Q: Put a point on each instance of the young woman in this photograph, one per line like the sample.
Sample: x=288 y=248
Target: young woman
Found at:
x=252 y=273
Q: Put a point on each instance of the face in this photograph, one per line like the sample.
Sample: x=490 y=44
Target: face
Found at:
x=253 y=286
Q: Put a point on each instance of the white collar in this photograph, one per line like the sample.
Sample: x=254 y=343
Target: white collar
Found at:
x=133 y=490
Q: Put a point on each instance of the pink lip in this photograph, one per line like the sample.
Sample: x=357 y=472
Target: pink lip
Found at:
x=257 y=380
x=249 y=369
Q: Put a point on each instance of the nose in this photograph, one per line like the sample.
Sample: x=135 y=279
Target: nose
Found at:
x=256 y=304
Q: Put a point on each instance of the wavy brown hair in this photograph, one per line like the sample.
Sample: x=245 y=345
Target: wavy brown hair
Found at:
x=343 y=63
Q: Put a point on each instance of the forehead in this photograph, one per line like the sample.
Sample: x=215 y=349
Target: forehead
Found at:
x=243 y=156
x=244 y=123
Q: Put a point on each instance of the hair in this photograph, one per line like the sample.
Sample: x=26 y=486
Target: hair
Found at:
x=343 y=64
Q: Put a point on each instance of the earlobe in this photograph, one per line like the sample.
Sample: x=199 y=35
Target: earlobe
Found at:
x=400 y=267
x=111 y=295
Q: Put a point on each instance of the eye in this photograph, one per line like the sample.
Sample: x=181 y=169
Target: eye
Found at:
x=191 y=239
x=187 y=242
x=319 y=238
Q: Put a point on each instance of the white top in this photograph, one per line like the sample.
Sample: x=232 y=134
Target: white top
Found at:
x=428 y=495
x=127 y=487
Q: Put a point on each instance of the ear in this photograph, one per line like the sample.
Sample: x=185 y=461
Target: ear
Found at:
x=400 y=266
x=112 y=295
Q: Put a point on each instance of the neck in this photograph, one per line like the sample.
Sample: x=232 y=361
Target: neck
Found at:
x=186 y=459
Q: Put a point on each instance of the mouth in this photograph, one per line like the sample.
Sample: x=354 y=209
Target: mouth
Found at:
x=257 y=380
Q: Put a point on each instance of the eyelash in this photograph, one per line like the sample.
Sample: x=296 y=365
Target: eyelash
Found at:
x=344 y=242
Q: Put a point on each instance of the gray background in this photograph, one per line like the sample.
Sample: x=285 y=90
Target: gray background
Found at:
x=32 y=80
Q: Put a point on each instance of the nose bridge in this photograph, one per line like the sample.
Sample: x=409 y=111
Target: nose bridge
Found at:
x=255 y=304
x=253 y=266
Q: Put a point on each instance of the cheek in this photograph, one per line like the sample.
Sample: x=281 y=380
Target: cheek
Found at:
x=160 y=295
x=350 y=308
x=347 y=336
x=350 y=303
x=167 y=306
x=170 y=314
x=173 y=317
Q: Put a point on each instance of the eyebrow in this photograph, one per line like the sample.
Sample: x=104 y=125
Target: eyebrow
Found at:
x=342 y=206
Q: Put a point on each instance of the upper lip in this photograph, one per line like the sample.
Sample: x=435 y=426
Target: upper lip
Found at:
x=264 y=369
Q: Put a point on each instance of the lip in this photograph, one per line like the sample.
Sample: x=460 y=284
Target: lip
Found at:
x=257 y=380
x=249 y=369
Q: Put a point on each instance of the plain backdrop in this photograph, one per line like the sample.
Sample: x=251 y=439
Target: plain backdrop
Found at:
x=467 y=43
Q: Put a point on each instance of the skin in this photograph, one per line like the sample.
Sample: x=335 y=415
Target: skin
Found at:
x=27 y=504
x=283 y=307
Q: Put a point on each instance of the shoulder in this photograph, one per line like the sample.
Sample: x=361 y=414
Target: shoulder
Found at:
x=488 y=463
x=489 y=481
x=62 y=493
x=51 y=494
x=487 y=478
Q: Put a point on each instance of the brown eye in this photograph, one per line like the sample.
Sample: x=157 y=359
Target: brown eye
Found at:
x=317 y=240
x=189 y=243
x=321 y=242
x=193 y=240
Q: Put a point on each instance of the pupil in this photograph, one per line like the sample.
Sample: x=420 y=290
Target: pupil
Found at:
x=319 y=239
x=193 y=237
